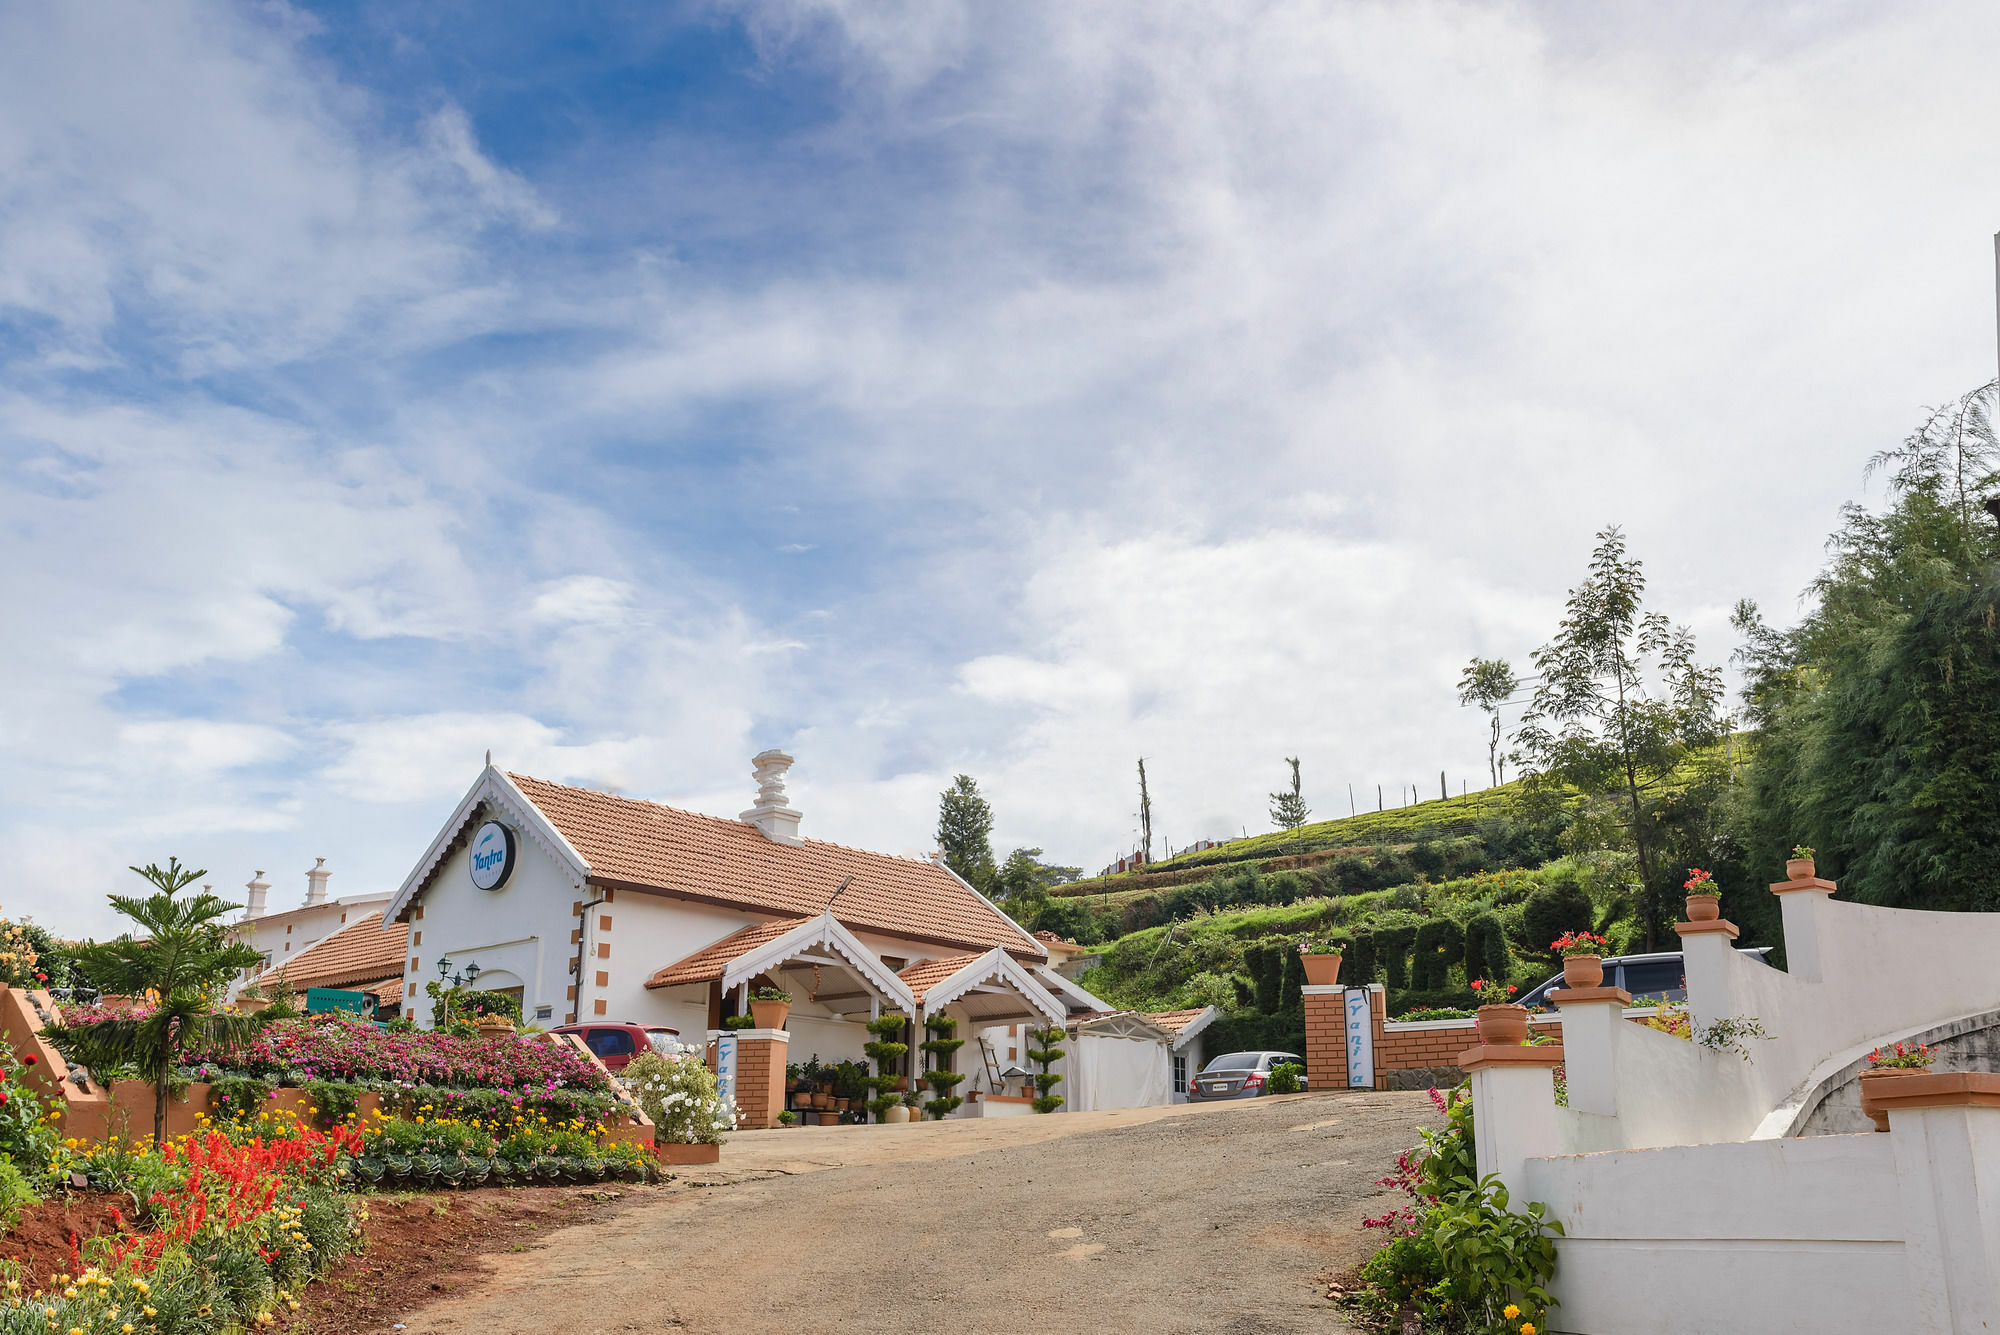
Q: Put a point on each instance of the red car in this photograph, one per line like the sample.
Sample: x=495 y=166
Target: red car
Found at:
x=617 y=1042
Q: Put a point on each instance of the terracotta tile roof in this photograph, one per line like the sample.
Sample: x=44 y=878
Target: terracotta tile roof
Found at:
x=360 y=952
x=1046 y=935
x=643 y=844
x=708 y=964
x=927 y=974
x=1174 y=1021
x=389 y=991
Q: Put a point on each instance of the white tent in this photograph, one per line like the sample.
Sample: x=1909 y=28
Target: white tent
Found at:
x=1117 y=1061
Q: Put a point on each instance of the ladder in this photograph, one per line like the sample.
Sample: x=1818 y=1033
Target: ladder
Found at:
x=992 y=1059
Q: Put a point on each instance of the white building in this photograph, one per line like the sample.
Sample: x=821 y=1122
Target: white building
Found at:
x=288 y=933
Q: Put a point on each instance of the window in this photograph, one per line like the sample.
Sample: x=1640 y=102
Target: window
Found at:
x=1655 y=978
x=610 y=1042
x=1180 y=1071
x=896 y=963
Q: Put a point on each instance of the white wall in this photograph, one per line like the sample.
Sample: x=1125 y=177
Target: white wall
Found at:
x=1768 y=1236
x=522 y=928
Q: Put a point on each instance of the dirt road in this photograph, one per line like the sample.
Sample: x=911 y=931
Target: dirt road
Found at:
x=1223 y=1217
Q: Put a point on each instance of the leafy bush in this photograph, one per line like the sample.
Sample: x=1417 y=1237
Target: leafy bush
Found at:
x=1360 y=965
x=1393 y=943
x=1285 y=1078
x=679 y=1094
x=1561 y=906
x=15 y=1194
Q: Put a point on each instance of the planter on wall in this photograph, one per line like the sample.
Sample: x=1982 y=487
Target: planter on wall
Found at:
x=1704 y=908
x=1799 y=869
x=1583 y=971
x=675 y=1152
x=770 y=1014
x=1502 y=1026
x=1871 y=1081
x=1321 y=970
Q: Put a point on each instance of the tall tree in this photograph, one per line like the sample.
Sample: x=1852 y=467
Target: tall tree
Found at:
x=1145 y=812
x=1024 y=879
x=965 y=832
x=1487 y=683
x=1288 y=807
x=178 y=966
x=1880 y=710
x=1597 y=726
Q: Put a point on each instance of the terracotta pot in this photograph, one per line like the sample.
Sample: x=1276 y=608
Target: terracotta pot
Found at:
x=251 y=1005
x=1800 y=869
x=1704 y=908
x=1321 y=970
x=674 y=1152
x=898 y=1113
x=840 y=1105
x=494 y=1026
x=1503 y=1026
x=1872 y=1080
x=770 y=1014
x=902 y=1084
x=1583 y=971
x=791 y=1084
x=822 y=1101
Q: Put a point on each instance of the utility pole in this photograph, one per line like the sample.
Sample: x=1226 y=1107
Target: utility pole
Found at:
x=1996 y=285
x=1350 y=801
x=1378 y=799
x=1145 y=811
x=1444 y=793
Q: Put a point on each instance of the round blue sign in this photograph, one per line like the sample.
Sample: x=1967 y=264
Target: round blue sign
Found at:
x=492 y=855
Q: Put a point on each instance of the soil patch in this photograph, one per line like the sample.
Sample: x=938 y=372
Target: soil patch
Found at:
x=425 y=1247
x=45 y=1242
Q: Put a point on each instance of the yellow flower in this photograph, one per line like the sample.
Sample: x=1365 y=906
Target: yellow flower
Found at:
x=152 y=1312
x=127 y=1328
x=1510 y=1311
x=1527 y=1328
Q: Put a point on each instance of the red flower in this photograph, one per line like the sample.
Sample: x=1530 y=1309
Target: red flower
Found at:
x=29 y=1059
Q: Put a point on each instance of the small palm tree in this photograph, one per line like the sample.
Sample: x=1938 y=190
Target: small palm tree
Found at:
x=181 y=960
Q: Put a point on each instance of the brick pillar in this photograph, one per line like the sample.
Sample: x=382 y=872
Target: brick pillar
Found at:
x=1326 y=1037
x=760 y=1076
x=1378 y=1020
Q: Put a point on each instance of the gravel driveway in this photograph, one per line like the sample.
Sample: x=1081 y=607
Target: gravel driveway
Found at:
x=1222 y=1217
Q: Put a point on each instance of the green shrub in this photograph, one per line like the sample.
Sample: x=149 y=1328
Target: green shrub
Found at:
x=1561 y=905
x=1291 y=1000
x=1440 y=943
x=1285 y=1078
x=680 y=1096
x=335 y=1100
x=1393 y=945
x=238 y=1098
x=1360 y=965
x=1486 y=954
x=15 y=1194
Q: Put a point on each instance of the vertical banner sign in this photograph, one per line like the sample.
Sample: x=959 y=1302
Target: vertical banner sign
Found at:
x=725 y=1070
x=1360 y=1039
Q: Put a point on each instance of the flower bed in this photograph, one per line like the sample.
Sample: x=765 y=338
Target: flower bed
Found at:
x=453 y=1152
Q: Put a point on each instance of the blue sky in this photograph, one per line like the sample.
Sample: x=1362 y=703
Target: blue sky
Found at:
x=922 y=387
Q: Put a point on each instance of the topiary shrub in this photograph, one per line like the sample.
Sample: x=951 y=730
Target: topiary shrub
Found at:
x=941 y=1078
x=886 y=1049
x=1291 y=1000
x=1359 y=965
x=1486 y=954
x=1393 y=944
x=1560 y=906
x=1440 y=943
x=1044 y=1054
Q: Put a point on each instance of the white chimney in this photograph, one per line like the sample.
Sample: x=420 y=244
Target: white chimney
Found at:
x=258 y=888
x=778 y=822
x=316 y=882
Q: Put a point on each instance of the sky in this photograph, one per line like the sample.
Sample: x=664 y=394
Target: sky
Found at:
x=925 y=388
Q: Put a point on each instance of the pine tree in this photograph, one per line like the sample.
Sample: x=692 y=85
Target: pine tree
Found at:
x=965 y=832
x=1288 y=808
x=180 y=962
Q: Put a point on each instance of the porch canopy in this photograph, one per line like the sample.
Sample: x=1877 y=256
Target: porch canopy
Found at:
x=990 y=989
x=798 y=954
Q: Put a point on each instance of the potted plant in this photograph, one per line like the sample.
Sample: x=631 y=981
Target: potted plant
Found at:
x=910 y=1102
x=1799 y=866
x=769 y=1006
x=791 y=1077
x=892 y=1109
x=1885 y=1064
x=1704 y=901
x=1490 y=993
x=787 y=1117
x=1501 y=1024
x=885 y=1049
x=1583 y=958
x=941 y=1078
x=1322 y=962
